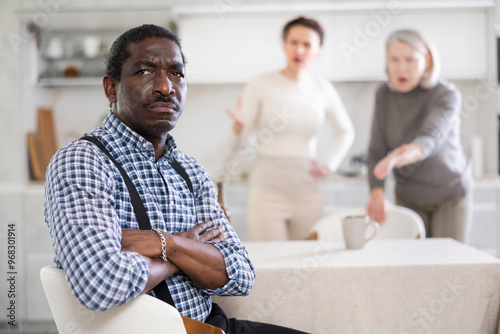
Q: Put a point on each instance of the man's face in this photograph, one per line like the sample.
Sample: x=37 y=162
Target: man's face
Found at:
x=152 y=90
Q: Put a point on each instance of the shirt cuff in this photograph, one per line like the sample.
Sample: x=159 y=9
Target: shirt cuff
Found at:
x=139 y=272
x=427 y=144
x=232 y=270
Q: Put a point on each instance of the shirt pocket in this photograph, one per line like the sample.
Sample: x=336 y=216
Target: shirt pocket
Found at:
x=182 y=210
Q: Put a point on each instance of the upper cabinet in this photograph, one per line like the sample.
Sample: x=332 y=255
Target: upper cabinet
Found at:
x=233 y=44
x=237 y=47
x=231 y=41
x=459 y=35
x=232 y=49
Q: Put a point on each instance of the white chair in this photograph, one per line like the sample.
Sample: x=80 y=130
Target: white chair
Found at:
x=145 y=314
x=401 y=223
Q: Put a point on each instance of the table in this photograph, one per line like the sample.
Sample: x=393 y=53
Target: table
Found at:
x=391 y=286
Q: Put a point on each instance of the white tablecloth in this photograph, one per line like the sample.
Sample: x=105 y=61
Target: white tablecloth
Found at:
x=391 y=286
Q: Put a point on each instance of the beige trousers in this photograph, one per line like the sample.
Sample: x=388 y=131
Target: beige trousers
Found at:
x=445 y=219
x=284 y=202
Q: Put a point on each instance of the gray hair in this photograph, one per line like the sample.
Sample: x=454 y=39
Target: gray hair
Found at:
x=414 y=39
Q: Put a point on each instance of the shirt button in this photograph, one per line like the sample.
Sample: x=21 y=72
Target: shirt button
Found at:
x=144 y=145
x=171 y=202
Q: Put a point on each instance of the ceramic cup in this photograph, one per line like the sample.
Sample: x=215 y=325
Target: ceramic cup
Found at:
x=354 y=230
x=91 y=46
x=54 y=48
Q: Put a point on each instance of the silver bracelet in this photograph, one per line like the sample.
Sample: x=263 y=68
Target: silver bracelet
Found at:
x=163 y=245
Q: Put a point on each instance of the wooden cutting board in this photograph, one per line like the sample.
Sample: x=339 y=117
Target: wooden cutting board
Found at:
x=47 y=134
x=42 y=144
x=38 y=166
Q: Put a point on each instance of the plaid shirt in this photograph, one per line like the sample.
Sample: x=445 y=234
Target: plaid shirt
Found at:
x=87 y=203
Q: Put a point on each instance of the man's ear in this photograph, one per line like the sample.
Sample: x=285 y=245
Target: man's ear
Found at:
x=109 y=88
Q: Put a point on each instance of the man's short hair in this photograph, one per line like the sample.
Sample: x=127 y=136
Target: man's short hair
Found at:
x=119 y=51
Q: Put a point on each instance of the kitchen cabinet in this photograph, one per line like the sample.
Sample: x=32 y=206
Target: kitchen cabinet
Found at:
x=242 y=44
x=236 y=48
x=38 y=248
x=359 y=47
x=22 y=206
x=221 y=51
x=485 y=231
x=11 y=218
x=338 y=194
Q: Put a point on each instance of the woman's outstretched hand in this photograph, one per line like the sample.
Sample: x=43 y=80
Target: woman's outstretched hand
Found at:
x=237 y=117
x=385 y=166
x=403 y=155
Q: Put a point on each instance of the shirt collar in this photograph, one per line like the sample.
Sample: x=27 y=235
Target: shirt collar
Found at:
x=117 y=127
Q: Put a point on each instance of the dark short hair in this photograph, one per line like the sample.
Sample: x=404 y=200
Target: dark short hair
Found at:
x=119 y=51
x=305 y=22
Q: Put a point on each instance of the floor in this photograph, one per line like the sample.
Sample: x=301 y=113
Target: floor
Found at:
x=32 y=327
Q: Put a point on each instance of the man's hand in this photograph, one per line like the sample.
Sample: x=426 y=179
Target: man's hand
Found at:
x=203 y=263
x=144 y=242
x=147 y=242
x=159 y=271
x=203 y=233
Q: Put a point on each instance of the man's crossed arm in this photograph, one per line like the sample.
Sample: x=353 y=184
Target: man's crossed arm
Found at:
x=187 y=252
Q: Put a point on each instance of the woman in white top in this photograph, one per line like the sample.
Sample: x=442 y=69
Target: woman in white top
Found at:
x=286 y=110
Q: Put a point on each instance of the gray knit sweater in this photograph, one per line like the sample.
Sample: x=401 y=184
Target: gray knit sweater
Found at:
x=431 y=119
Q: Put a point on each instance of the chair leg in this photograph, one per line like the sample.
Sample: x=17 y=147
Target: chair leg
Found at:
x=198 y=327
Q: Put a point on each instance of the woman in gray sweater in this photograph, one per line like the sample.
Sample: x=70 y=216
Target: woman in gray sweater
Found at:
x=416 y=133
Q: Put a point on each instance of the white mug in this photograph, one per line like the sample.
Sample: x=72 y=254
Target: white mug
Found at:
x=91 y=45
x=54 y=48
x=353 y=228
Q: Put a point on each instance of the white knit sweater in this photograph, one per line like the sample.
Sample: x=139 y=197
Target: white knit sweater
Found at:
x=287 y=116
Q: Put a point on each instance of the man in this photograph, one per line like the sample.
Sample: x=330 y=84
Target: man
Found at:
x=93 y=224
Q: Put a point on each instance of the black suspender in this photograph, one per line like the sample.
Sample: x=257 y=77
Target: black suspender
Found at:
x=161 y=290
x=182 y=172
x=139 y=210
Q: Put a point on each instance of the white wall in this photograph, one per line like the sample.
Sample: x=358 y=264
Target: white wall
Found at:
x=12 y=142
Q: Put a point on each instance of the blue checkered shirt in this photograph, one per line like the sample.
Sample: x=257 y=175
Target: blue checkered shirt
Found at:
x=87 y=203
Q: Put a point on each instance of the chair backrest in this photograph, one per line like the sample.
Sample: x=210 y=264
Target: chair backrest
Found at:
x=401 y=223
x=145 y=314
